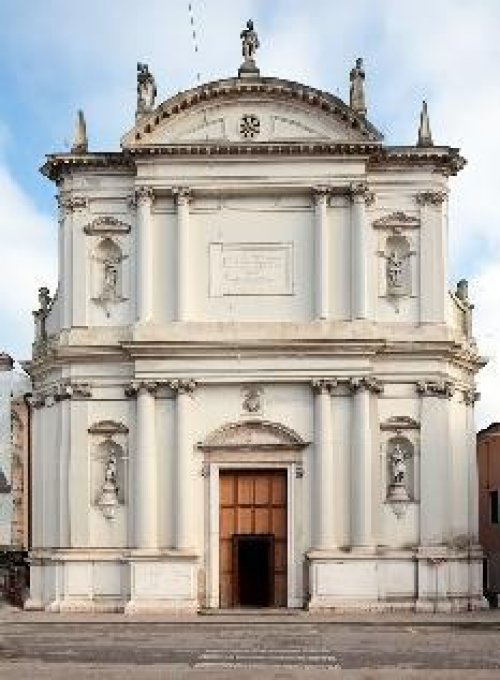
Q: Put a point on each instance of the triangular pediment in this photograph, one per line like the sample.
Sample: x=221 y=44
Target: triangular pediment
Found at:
x=265 y=110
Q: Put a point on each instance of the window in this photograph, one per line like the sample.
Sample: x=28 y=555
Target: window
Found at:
x=494 y=507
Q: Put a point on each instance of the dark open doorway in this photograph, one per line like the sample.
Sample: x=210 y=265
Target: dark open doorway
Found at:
x=254 y=569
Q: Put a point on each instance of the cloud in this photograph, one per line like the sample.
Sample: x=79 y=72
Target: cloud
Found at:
x=29 y=251
x=445 y=51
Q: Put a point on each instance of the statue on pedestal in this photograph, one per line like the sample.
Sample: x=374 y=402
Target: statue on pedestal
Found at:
x=249 y=46
x=146 y=90
x=357 y=93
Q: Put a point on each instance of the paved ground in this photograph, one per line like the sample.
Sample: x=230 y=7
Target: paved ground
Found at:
x=78 y=647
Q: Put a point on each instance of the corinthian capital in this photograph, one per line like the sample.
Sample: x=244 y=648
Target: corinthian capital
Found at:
x=443 y=389
x=72 y=390
x=360 y=191
x=430 y=197
x=183 y=386
x=137 y=386
x=144 y=195
x=368 y=383
x=471 y=396
x=72 y=203
x=323 y=385
x=182 y=194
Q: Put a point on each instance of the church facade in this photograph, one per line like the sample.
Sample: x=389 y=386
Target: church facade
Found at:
x=252 y=386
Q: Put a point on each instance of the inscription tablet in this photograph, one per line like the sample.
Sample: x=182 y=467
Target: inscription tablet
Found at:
x=251 y=269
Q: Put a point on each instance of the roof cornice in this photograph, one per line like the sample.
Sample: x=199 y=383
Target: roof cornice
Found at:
x=442 y=159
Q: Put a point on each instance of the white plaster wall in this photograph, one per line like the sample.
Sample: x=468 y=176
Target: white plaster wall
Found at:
x=257 y=220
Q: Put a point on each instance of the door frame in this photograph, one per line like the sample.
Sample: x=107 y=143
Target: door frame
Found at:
x=294 y=599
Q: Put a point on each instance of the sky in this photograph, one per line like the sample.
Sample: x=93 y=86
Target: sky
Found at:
x=57 y=56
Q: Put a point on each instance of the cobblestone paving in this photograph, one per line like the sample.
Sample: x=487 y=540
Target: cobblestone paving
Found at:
x=286 y=649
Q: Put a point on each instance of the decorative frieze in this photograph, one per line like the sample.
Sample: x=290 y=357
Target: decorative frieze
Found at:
x=431 y=197
x=444 y=389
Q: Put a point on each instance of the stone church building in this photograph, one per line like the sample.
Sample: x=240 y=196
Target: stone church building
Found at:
x=252 y=386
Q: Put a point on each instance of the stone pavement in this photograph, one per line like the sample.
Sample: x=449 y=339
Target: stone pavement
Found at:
x=251 y=645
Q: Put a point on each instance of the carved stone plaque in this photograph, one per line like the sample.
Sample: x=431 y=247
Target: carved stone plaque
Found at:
x=251 y=269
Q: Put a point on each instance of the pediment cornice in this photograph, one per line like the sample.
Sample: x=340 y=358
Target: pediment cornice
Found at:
x=270 y=89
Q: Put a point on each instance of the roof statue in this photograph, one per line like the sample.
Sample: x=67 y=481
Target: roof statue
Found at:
x=357 y=92
x=249 y=46
x=424 y=130
x=80 y=141
x=146 y=90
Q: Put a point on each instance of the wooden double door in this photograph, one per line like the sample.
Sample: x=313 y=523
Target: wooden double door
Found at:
x=253 y=538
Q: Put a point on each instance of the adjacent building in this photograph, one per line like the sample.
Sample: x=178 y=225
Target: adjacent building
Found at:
x=488 y=460
x=252 y=386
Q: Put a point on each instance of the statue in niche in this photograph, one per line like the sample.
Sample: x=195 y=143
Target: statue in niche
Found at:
x=110 y=280
x=146 y=89
x=400 y=475
x=108 y=274
x=394 y=270
x=397 y=267
x=108 y=499
x=398 y=464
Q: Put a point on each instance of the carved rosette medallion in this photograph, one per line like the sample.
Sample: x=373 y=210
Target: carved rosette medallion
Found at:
x=249 y=126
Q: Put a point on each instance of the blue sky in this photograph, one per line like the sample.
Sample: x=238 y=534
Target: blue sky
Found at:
x=61 y=55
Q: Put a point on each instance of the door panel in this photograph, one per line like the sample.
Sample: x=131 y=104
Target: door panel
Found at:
x=253 y=503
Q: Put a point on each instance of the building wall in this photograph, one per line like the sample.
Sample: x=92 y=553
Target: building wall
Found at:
x=183 y=284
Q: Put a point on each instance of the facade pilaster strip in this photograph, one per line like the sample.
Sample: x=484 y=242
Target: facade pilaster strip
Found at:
x=183 y=196
x=184 y=535
x=144 y=197
x=321 y=242
x=360 y=256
